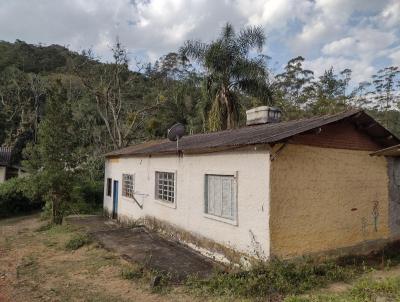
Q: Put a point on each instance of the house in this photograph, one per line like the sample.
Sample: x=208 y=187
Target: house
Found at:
x=6 y=171
x=271 y=188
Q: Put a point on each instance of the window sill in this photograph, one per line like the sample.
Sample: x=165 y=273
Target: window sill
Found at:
x=221 y=219
x=166 y=204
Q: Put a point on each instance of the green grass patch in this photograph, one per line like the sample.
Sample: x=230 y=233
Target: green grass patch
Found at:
x=271 y=279
x=278 y=278
x=132 y=273
x=77 y=241
x=366 y=290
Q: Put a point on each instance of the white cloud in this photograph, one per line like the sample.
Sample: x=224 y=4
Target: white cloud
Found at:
x=395 y=57
x=363 y=42
x=361 y=70
x=271 y=13
x=327 y=32
x=390 y=15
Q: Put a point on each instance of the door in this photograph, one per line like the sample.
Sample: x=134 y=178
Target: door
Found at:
x=115 y=200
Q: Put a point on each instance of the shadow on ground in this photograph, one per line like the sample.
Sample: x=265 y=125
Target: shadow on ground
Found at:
x=146 y=248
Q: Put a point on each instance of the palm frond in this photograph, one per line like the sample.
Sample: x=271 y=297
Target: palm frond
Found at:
x=228 y=32
x=193 y=49
x=251 y=37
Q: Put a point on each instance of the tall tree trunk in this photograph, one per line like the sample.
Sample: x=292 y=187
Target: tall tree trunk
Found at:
x=230 y=110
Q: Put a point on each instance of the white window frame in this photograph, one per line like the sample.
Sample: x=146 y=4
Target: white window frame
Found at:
x=235 y=220
x=162 y=201
x=123 y=185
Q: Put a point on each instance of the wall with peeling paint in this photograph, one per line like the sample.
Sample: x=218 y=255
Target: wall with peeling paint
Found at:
x=394 y=195
x=323 y=199
x=251 y=165
x=3 y=171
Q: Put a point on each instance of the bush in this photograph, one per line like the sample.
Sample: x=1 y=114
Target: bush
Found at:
x=77 y=241
x=132 y=273
x=19 y=195
x=87 y=196
x=275 y=278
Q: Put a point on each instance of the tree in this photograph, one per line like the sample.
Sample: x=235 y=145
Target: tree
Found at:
x=113 y=88
x=230 y=71
x=293 y=87
x=177 y=83
x=330 y=92
x=384 y=95
x=53 y=157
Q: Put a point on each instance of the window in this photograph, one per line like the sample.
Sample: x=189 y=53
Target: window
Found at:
x=109 y=186
x=128 y=185
x=165 y=186
x=220 y=196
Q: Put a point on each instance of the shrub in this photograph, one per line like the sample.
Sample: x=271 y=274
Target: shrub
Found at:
x=77 y=241
x=87 y=196
x=19 y=195
x=132 y=273
x=271 y=279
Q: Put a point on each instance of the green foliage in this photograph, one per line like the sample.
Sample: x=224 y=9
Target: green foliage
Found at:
x=231 y=71
x=19 y=195
x=273 y=278
x=132 y=273
x=86 y=196
x=365 y=290
x=77 y=241
x=52 y=158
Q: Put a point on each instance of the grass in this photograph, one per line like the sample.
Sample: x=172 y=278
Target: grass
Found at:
x=77 y=241
x=132 y=273
x=46 y=269
x=366 y=290
x=273 y=278
x=284 y=278
x=159 y=282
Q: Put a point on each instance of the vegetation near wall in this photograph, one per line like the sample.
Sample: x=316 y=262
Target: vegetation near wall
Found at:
x=52 y=98
x=19 y=195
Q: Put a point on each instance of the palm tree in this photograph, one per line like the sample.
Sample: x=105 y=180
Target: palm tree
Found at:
x=230 y=71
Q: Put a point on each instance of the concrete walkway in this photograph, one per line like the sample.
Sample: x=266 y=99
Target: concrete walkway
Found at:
x=148 y=248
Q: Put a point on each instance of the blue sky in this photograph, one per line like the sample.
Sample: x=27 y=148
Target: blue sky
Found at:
x=362 y=35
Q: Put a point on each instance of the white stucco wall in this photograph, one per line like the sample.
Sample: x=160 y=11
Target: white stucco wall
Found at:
x=252 y=167
x=2 y=174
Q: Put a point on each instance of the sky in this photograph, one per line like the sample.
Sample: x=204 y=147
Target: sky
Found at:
x=363 y=35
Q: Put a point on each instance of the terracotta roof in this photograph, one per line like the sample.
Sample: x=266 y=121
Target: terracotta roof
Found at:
x=5 y=156
x=259 y=134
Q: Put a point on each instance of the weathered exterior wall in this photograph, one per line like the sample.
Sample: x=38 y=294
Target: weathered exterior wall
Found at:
x=324 y=199
x=342 y=135
x=3 y=171
x=250 y=235
x=394 y=196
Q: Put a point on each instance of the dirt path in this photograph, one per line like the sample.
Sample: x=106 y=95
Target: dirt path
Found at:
x=35 y=266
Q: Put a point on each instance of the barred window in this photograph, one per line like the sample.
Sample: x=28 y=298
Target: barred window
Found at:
x=128 y=185
x=165 y=186
x=220 y=196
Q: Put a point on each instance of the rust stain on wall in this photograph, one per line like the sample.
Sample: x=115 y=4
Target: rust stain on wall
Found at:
x=314 y=192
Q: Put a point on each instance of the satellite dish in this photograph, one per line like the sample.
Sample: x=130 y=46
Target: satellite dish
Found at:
x=176 y=132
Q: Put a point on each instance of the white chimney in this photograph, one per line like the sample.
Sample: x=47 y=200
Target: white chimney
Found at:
x=263 y=115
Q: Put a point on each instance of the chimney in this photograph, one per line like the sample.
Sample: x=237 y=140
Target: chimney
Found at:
x=263 y=115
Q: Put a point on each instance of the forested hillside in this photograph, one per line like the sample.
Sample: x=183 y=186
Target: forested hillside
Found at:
x=61 y=109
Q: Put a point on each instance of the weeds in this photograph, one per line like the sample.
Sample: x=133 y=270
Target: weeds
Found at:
x=159 y=281
x=366 y=290
x=44 y=228
x=77 y=241
x=132 y=273
x=273 y=278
